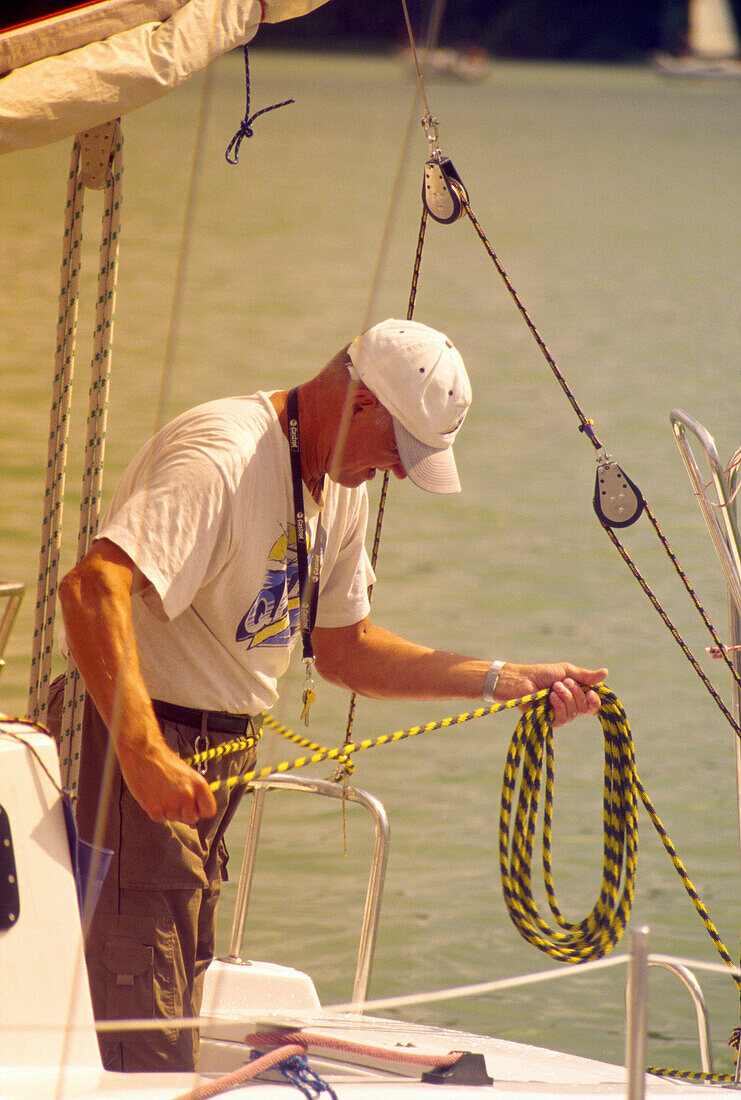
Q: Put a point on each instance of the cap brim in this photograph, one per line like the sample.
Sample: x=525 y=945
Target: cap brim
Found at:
x=429 y=468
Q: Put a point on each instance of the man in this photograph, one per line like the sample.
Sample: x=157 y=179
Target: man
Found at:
x=182 y=618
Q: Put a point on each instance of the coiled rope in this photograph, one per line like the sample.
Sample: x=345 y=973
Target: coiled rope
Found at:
x=532 y=747
x=530 y=750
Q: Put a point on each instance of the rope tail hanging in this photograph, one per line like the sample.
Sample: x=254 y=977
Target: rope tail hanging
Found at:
x=245 y=127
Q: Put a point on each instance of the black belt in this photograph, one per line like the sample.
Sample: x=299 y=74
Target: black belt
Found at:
x=216 y=721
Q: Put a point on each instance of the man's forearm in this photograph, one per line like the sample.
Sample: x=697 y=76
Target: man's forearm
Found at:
x=367 y=659
x=96 y=605
x=378 y=664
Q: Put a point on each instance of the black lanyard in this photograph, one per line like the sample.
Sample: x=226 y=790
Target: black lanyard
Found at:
x=308 y=597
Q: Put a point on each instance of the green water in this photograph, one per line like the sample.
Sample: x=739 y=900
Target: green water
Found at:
x=611 y=197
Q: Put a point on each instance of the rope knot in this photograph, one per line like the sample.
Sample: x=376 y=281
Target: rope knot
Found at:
x=245 y=128
x=297 y=1072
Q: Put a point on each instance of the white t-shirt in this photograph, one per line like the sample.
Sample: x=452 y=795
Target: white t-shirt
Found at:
x=205 y=510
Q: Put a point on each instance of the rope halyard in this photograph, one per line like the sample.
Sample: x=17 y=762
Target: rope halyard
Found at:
x=80 y=177
x=51 y=526
x=586 y=426
x=92 y=481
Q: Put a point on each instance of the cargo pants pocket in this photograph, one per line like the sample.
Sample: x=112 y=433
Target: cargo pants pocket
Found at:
x=129 y=979
x=143 y=981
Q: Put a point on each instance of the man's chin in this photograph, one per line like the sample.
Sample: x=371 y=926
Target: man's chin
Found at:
x=352 y=481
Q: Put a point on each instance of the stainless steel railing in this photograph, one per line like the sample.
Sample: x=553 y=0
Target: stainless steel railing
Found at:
x=13 y=593
x=371 y=912
x=720 y=515
x=720 y=520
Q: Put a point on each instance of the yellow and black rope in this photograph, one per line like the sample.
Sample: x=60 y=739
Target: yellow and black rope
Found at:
x=341 y=753
x=530 y=750
x=227 y=749
x=698 y=1077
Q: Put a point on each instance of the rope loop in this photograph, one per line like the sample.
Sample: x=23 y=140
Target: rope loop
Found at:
x=245 y=127
x=531 y=749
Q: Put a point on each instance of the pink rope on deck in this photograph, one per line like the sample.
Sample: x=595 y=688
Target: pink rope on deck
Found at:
x=329 y=1042
x=243 y=1074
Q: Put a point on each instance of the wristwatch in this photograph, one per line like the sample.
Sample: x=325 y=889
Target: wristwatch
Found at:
x=492 y=678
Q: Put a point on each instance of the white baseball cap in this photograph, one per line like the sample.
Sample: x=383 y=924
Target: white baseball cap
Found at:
x=417 y=374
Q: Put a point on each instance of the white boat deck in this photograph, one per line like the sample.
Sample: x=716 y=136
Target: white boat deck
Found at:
x=48 y=1049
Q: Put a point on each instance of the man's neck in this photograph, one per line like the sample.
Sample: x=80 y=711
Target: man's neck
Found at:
x=313 y=459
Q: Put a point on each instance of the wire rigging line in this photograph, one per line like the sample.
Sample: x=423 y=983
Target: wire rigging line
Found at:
x=586 y=426
x=461 y=204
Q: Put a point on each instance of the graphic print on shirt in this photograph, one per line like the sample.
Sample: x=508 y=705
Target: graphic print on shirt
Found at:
x=273 y=617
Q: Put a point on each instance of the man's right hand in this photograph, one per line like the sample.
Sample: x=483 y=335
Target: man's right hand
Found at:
x=96 y=603
x=165 y=786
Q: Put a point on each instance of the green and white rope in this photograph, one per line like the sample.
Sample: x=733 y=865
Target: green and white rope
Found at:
x=51 y=525
x=92 y=478
x=59 y=420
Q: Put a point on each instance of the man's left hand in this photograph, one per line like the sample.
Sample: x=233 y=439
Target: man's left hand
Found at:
x=569 y=696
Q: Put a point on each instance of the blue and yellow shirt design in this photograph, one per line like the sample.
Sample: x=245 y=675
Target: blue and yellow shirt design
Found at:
x=274 y=615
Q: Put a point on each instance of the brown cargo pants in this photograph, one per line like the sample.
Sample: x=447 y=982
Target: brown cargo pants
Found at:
x=152 y=935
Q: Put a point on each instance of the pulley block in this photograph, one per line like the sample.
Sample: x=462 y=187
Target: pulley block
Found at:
x=443 y=192
x=617 y=501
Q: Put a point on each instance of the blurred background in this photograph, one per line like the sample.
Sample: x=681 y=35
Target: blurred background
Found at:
x=568 y=30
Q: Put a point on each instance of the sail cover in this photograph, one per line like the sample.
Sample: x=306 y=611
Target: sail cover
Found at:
x=50 y=97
